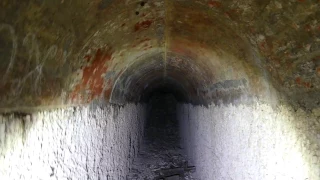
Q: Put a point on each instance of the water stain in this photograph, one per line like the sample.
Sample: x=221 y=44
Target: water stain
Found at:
x=92 y=77
x=215 y=4
x=142 y=25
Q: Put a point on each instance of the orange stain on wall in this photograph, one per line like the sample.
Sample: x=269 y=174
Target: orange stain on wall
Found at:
x=92 y=77
x=215 y=4
x=142 y=25
x=301 y=82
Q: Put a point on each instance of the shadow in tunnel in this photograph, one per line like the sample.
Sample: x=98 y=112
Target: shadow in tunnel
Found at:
x=162 y=109
x=161 y=124
x=161 y=155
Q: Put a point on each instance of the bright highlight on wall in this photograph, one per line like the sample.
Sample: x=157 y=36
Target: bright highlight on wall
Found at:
x=251 y=142
x=71 y=143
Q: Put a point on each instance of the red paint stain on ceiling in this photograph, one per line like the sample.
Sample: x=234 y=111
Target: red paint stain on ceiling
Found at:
x=92 y=78
x=215 y=4
x=298 y=80
x=142 y=25
x=301 y=82
x=307 y=84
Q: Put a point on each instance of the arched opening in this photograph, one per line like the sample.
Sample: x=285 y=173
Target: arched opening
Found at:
x=108 y=88
x=162 y=88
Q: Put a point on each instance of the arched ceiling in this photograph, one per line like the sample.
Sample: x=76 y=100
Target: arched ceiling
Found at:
x=60 y=53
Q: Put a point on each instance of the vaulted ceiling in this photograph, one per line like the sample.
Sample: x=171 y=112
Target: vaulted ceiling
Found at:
x=67 y=52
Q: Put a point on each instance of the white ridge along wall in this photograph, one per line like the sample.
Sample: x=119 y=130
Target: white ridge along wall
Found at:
x=71 y=143
x=251 y=141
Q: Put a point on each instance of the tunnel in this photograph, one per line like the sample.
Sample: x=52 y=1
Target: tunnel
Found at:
x=159 y=89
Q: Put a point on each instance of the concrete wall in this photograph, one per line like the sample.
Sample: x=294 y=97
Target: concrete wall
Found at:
x=251 y=141
x=71 y=143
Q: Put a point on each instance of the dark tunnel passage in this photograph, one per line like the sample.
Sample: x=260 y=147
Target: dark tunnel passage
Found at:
x=161 y=109
x=161 y=155
x=168 y=122
x=159 y=89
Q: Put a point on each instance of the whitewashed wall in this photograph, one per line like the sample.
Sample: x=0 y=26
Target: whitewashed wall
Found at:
x=251 y=142
x=72 y=143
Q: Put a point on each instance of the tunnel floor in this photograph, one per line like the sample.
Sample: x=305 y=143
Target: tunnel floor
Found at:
x=161 y=155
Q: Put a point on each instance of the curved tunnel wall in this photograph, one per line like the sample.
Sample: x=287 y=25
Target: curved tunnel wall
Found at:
x=55 y=56
x=230 y=56
x=255 y=141
x=85 y=65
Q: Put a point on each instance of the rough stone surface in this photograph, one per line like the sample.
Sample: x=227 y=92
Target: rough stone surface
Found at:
x=56 y=53
x=71 y=143
x=251 y=141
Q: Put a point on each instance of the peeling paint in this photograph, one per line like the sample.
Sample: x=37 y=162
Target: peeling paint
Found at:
x=142 y=25
x=51 y=48
x=92 y=76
